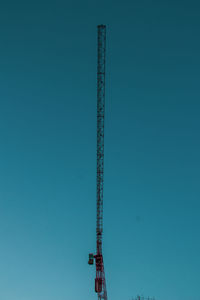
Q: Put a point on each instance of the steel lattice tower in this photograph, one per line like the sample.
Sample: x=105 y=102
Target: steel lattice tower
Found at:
x=100 y=281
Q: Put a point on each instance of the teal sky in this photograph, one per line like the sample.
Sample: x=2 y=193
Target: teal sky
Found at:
x=48 y=149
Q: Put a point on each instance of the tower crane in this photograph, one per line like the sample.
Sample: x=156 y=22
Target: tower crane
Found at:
x=100 y=281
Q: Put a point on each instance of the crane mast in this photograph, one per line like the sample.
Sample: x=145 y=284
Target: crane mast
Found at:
x=100 y=133
x=100 y=281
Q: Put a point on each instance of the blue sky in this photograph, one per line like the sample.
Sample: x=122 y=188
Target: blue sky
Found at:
x=48 y=149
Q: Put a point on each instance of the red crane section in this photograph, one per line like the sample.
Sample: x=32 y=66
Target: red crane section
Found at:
x=100 y=281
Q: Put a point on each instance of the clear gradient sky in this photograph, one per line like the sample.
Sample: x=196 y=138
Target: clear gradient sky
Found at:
x=48 y=149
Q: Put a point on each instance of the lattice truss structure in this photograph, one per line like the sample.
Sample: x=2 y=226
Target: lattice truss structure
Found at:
x=100 y=281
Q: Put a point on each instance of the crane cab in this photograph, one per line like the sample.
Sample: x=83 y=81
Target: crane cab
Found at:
x=91 y=259
x=98 y=285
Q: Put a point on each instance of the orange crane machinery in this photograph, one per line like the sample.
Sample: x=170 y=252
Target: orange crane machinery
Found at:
x=100 y=281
